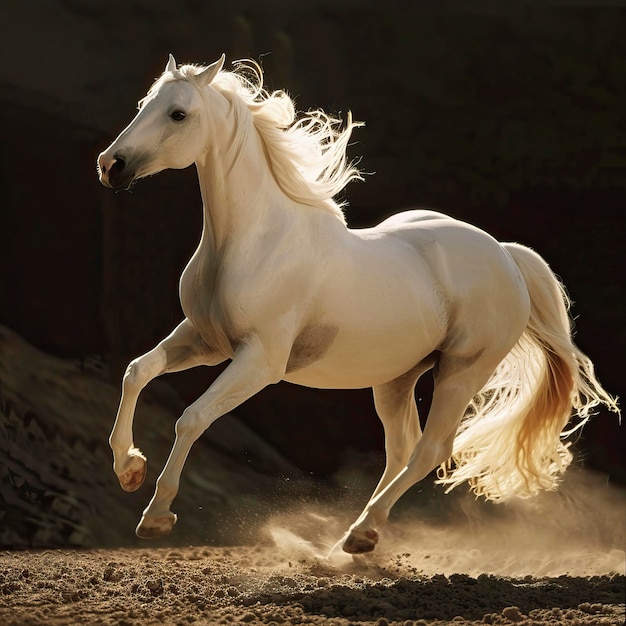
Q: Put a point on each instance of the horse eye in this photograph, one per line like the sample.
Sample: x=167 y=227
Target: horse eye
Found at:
x=178 y=116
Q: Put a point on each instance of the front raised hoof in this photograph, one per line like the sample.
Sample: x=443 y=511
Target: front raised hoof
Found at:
x=155 y=527
x=360 y=541
x=135 y=473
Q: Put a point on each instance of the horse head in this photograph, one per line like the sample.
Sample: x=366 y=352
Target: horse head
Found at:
x=167 y=132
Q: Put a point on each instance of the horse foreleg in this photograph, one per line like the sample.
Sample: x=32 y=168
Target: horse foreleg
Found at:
x=454 y=389
x=251 y=370
x=182 y=349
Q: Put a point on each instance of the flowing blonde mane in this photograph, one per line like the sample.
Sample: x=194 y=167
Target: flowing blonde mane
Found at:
x=307 y=153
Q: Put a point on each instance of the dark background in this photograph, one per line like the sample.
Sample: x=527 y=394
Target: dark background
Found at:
x=507 y=115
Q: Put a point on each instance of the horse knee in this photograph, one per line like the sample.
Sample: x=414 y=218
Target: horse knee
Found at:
x=143 y=369
x=133 y=379
x=191 y=424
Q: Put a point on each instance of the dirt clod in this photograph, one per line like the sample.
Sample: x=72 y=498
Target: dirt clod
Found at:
x=513 y=614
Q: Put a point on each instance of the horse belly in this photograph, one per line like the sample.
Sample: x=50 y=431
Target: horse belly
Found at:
x=354 y=362
x=374 y=345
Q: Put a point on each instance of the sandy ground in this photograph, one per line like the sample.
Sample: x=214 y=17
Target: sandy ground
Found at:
x=558 y=559
x=255 y=586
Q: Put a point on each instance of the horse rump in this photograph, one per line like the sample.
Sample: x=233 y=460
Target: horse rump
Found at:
x=511 y=440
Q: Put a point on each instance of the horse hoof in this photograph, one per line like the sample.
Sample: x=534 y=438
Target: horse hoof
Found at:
x=360 y=541
x=155 y=527
x=135 y=473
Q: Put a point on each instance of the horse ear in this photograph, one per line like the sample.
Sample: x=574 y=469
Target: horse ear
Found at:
x=171 y=64
x=209 y=73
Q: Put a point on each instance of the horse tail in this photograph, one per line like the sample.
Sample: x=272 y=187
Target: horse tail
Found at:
x=509 y=443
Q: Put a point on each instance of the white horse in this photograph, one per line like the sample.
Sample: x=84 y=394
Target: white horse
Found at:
x=285 y=290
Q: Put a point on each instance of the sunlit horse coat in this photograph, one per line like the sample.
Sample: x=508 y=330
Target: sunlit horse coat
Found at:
x=281 y=287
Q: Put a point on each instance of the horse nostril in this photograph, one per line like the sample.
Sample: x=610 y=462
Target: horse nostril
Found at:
x=117 y=167
x=119 y=164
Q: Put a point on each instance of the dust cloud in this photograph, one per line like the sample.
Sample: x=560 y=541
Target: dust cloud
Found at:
x=578 y=530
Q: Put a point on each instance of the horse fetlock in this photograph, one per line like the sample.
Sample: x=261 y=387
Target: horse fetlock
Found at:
x=134 y=472
x=155 y=527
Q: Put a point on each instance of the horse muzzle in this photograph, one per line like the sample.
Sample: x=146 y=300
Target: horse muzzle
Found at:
x=114 y=172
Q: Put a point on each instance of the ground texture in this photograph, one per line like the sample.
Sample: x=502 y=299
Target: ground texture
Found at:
x=257 y=586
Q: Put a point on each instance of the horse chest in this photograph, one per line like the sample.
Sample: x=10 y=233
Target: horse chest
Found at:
x=203 y=307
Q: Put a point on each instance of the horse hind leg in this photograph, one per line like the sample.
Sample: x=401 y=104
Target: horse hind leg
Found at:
x=457 y=381
x=182 y=349
x=397 y=410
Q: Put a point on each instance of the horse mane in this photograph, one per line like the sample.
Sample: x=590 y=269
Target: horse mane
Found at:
x=306 y=153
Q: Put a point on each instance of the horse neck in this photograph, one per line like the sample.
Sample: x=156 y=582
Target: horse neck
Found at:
x=239 y=193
